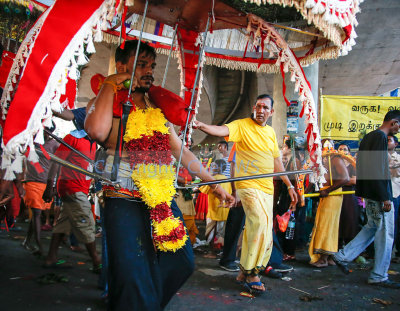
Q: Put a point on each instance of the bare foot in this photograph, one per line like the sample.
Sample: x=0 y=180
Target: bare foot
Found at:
x=331 y=262
x=241 y=277
x=320 y=264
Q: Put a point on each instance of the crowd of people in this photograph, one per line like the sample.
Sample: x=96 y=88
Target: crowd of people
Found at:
x=251 y=221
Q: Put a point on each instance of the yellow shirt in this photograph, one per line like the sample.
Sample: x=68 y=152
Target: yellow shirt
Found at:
x=256 y=149
x=215 y=212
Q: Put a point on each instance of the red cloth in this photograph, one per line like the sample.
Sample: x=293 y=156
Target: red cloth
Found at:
x=173 y=106
x=68 y=99
x=13 y=206
x=71 y=181
x=60 y=26
x=190 y=57
x=201 y=206
x=7 y=60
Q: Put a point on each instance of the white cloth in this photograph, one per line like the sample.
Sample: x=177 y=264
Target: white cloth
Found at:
x=394 y=161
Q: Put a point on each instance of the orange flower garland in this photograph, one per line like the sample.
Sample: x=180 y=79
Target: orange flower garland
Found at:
x=147 y=144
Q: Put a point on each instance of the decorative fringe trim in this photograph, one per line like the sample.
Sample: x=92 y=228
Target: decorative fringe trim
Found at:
x=19 y=61
x=313 y=11
x=91 y=30
x=289 y=63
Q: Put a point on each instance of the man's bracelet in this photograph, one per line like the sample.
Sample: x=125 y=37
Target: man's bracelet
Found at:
x=215 y=188
x=290 y=187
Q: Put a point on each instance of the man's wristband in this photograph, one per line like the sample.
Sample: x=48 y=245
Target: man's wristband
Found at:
x=214 y=188
x=290 y=187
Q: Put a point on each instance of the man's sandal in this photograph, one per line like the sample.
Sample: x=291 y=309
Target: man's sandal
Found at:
x=252 y=290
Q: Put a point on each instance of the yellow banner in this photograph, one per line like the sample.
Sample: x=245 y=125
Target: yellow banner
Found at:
x=346 y=117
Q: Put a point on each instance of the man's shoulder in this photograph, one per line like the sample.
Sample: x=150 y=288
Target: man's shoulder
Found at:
x=375 y=134
x=372 y=138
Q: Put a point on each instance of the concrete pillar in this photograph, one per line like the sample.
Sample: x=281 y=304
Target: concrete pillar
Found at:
x=280 y=107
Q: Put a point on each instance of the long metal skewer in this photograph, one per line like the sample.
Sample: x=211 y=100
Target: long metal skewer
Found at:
x=68 y=146
x=138 y=47
x=79 y=169
x=221 y=181
x=192 y=99
x=314 y=195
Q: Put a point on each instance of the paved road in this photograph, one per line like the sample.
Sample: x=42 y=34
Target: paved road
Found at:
x=208 y=289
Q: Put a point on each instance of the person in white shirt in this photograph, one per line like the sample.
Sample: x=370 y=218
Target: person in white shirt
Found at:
x=394 y=166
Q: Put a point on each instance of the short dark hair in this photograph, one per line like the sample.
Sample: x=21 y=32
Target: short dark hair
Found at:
x=221 y=165
x=345 y=144
x=223 y=142
x=288 y=143
x=394 y=138
x=392 y=114
x=262 y=96
x=123 y=55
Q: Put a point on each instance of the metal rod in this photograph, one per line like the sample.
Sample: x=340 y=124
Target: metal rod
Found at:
x=69 y=146
x=314 y=195
x=191 y=100
x=221 y=181
x=78 y=169
x=138 y=47
x=169 y=56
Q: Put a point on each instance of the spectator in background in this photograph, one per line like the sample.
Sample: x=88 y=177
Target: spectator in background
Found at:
x=394 y=166
x=35 y=184
x=217 y=213
x=374 y=185
x=350 y=214
x=325 y=235
x=223 y=149
x=73 y=188
x=284 y=201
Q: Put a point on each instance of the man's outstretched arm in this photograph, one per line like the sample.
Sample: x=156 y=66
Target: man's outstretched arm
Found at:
x=194 y=166
x=214 y=130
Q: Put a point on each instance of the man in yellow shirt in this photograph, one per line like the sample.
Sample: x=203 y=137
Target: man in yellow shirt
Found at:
x=257 y=153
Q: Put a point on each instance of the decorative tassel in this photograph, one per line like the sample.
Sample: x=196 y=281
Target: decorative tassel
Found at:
x=33 y=156
x=47 y=122
x=9 y=175
x=6 y=161
x=82 y=58
x=39 y=139
x=98 y=33
x=17 y=164
x=318 y=8
x=310 y=4
x=90 y=46
x=73 y=73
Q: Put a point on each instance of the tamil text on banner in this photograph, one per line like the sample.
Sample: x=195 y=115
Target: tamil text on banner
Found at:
x=346 y=117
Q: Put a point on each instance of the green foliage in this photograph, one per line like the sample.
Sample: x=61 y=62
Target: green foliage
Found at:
x=272 y=13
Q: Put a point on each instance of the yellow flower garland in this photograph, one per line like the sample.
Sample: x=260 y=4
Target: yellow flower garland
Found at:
x=155 y=182
x=145 y=122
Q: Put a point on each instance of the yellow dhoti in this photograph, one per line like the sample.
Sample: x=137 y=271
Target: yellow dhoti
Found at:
x=325 y=234
x=257 y=235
